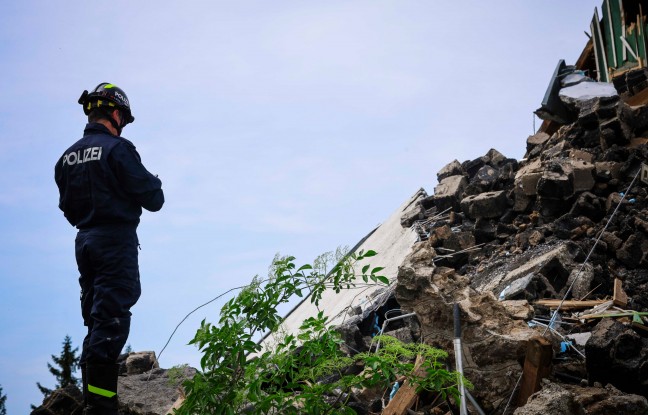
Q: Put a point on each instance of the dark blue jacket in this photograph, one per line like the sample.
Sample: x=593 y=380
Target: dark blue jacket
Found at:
x=102 y=181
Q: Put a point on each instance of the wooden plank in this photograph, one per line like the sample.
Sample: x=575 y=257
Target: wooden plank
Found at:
x=640 y=98
x=585 y=54
x=537 y=366
x=406 y=395
x=620 y=298
x=569 y=304
x=610 y=35
x=176 y=405
x=599 y=49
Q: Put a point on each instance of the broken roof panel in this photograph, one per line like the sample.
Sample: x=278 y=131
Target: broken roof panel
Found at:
x=392 y=243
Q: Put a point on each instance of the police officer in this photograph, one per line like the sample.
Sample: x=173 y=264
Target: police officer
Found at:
x=103 y=187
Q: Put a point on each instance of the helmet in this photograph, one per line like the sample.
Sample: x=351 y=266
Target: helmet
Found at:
x=107 y=95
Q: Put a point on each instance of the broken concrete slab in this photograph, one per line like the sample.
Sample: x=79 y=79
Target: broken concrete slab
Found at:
x=451 y=169
x=449 y=192
x=527 y=177
x=485 y=205
x=539 y=139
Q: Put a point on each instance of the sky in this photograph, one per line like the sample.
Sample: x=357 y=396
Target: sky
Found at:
x=289 y=127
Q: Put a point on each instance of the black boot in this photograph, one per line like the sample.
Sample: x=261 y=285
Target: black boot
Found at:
x=84 y=385
x=101 y=389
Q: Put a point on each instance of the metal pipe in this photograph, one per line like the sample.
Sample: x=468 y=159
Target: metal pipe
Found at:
x=387 y=321
x=457 y=347
x=475 y=404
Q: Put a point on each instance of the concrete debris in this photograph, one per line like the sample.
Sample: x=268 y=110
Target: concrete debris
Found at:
x=561 y=227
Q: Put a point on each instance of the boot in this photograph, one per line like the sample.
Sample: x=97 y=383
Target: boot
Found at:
x=101 y=389
x=84 y=384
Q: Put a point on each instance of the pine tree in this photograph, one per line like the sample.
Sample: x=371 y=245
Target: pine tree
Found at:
x=3 y=399
x=66 y=364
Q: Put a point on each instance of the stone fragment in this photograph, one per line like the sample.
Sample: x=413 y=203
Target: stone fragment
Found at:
x=485 y=205
x=472 y=166
x=581 y=155
x=616 y=354
x=583 y=172
x=588 y=205
x=555 y=185
x=614 y=132
x=633 y=251
x=448 y=193
x=527 y=177
x=141 y=362
x=539 y=139
x=152 y=393
x=551 y=399
x=494 y=158
x=518 y=309
x=451 y=169
x=608 y=400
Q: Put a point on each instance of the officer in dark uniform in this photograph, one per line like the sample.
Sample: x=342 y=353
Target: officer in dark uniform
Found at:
x=103 y=187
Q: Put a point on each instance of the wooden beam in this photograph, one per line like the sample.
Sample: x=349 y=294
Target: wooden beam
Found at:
x=620 y=298
x=569 y=304
x=537 y=366
x=175 y=406
x=406 y=395
x=585 y=54
x=640 y=98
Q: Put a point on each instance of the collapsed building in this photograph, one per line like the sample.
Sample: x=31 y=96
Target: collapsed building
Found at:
x=546 y=257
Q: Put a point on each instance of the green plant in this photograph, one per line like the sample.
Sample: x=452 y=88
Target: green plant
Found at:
x=304 y=373
x=66 y=364
x=176 y=374
x=3 y=399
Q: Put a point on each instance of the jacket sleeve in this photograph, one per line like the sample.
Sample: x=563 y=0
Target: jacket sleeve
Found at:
x=136 y=181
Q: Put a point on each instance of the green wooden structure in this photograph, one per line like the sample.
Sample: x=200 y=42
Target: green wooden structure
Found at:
x=619 y=37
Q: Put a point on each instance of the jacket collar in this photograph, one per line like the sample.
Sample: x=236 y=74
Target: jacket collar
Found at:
x=95 y=127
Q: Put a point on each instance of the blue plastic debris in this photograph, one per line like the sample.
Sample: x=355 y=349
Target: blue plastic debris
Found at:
x=394 y=390
x=632 y=200
x=502 y=295
x=564 y=345
x=376 y=327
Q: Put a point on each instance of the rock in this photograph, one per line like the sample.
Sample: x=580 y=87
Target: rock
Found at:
x=472 y=166
x=64 y=401
x=633 y=251
x=352 y=337
x=518 y=309
x=555 y=184
x=494 y=158
x=539 y=139
x=412 y=216
x=493 y=340
x=141 y=362
x=616 y=354
x=152 y=393
x=590 y=205
x=581 y=155
x=551 y=399
x=614 y=132
x=485 y=205
x=530 y=287
x=451 y=169
x=583 y=173
x=608 y=400
x=527 y=177
x=448 y=193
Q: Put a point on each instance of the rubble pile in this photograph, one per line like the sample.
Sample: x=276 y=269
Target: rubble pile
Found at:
x=510 y=241
x=144 y=388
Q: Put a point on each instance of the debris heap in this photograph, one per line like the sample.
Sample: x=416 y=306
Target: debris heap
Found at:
x=566 y=229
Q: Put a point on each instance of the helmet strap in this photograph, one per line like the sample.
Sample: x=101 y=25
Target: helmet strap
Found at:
x=117 y=126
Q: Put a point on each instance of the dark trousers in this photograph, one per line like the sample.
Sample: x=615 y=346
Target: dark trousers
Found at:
x=110 y=286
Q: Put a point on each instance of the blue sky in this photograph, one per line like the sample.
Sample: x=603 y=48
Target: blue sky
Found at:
x=283 y=126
